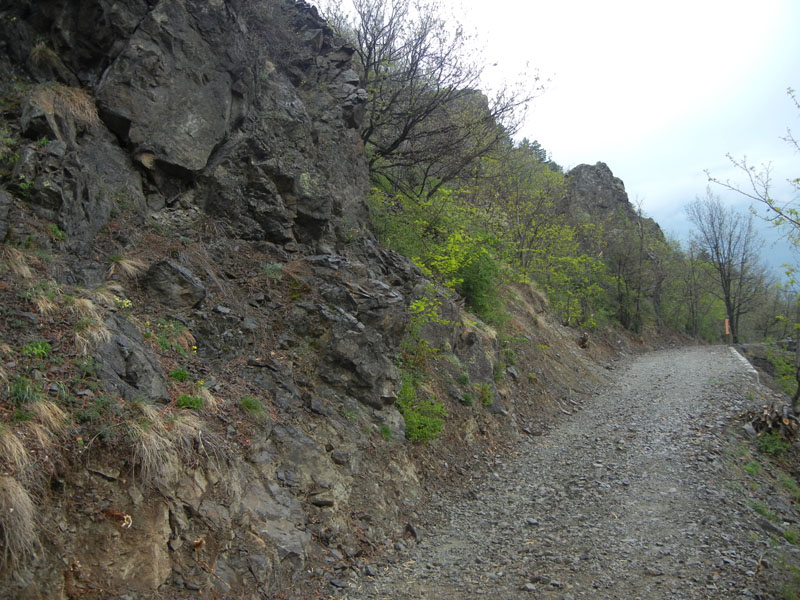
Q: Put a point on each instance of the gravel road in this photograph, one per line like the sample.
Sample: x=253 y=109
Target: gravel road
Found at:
x=639 y=494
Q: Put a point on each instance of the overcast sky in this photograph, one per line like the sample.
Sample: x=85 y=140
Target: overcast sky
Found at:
x=658 y=91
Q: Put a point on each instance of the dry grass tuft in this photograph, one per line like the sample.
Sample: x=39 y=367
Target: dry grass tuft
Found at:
x=12 y=451
x=44 y=57
x=50 y=415
x=192 y=437
x=107 y=293
x=84 y=307
x=41 y=435
x=90 y=332
x=44 y=305
x=210 y=403
x=152 y=450
x=16 y=262
x=17 y=522
x=55 y=99
x=125 y=266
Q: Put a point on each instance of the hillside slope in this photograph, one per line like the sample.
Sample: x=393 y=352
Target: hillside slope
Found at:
x=200 y=336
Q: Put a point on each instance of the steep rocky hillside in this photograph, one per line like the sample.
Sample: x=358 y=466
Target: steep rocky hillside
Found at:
x=199 y=336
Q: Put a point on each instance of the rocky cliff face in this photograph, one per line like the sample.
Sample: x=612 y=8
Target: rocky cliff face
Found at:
x=190 y=288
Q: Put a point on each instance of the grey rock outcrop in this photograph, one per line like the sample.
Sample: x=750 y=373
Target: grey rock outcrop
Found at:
x=595 y=195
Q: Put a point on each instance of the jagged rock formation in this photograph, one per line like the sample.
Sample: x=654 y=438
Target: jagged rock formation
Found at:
x=595 y=195
x=191 y=173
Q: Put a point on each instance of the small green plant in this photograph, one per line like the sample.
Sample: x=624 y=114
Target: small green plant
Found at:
x=772 y=443
x=36 y=350
x=386 y=432
x=192 y=402
x=179 y=374
x=792 y=536
x=24 y=186
x=467 y=399
x=424 y=419
x=499 y=372
x=273 y=271
x=485 y=395
x=95 y=410
x=21 y=416
x=752 y=468
x=23 y=391
x=463 y=379
x=349 y=414
x=56 y=233
x=42 y=142
x=790 y=485
x=251 y=404
x=763 y=511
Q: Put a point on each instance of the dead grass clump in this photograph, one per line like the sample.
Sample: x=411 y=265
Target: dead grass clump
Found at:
x=152 y=451
x=84 y=307
x=65 y=101
x=12 y=451
x=44 y=294
x=17 y=522
x=50 y=415
x=44 y=57
x=210 y=403
x=192 y=438
x=16 y=262
x=89 y=332
x=107 y=293
x=125 y=266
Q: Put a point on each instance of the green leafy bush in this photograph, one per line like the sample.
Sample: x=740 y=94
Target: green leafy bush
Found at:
x=36 y=350
x=251 y=404
x=772 y=443
x=179 y=374
x=485 y=394
x=192 y=402
x=23 y=391
x=424 y=419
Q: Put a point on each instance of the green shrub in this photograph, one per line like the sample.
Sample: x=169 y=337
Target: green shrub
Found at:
x=273 y=271
x=179 y=374
x=56 y=233
x=251 y=404
x=467 y=399
x=36 y=350
x=463 y=379
x=23 y=391
x=772 y=443
x=424 y=419
x=485 y=394
x=193 y=402
x=479 y=284
x=386 y=432
x=499 y=372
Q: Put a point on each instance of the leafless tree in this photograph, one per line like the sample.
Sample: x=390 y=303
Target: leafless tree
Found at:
x=733 y=247
x=426 y=120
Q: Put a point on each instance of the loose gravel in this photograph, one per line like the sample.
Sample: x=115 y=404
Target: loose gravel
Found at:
x=639 y=494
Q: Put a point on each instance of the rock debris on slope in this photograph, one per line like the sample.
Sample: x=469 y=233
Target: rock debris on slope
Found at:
x=632 y=497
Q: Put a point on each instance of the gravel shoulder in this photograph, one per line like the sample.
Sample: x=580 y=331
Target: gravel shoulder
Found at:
x=649 y=491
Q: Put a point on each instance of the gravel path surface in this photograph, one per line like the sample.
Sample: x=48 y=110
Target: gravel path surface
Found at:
x=631 y=497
